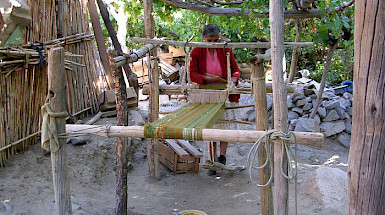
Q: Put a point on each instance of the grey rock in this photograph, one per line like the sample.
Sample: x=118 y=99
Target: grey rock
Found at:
x=137 y=117
x=349 y=111
x=331 y=104
x=300 y=102
x=348 y=96
x=289 y=102
x=307 y=125
x=299 y=97
x=328 y=94
x=298 y=110
x=313 y=96
x=332 y=128
x=316 y=117
x=251 y=117
x=308 y=92
x=75 y=207
x=344 y=139
x=332 y=116
x=322 y=112
x=246 y=99
x=329 y=186
x=270 y=119
x=307 y=106
x=269 y=102
x=298 y=91
x=305 y=116
x=348 y=125
x=292 y=115
x=344 y=103
x=245 y=112
x=309 y=100
x=341 y=112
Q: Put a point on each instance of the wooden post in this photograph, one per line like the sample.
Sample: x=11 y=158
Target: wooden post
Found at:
x=294 y=57
x=153 y=154
x=58 y=103
x=280 y=105
x=366 y=167
x=133 y=80
x=261 y=121
x=122 y=142
x=100 y=41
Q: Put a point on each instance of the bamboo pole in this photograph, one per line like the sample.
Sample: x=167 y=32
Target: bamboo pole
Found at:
x=58 y=103
x=280 y=106
x=236 y=136
x=217 y=45
x=261 y=121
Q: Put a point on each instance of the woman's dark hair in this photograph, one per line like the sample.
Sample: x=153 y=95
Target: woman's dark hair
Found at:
x=210 y=30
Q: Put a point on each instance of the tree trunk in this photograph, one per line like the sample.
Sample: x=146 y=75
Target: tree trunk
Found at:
x=366 y=170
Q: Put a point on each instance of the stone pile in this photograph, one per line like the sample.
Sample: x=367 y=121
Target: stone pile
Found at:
x=333 y=117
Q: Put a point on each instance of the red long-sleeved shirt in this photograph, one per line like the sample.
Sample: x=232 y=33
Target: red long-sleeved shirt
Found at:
x=198 y=66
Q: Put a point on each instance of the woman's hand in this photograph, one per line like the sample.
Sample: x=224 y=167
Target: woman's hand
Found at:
x=210 y=78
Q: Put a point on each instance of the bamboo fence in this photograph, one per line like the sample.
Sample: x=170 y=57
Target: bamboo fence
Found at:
x=23 y=88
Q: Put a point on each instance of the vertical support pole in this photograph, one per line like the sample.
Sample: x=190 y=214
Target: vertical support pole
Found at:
x=60 y=21
x=58 y=103
x=280 y=105
x=153 y=153
x=366 y=167
x=100 y=41
x=122 y=142
x=261 y=121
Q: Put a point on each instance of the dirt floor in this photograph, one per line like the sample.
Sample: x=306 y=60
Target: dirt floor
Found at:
x=26 y=182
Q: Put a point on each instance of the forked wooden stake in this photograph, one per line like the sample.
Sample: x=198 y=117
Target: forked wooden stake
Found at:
x=58 y=103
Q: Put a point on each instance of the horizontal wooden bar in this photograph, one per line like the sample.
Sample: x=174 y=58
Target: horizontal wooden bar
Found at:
x=218 y=45
x=177 y=89
x=121 y=60
x=238 y=136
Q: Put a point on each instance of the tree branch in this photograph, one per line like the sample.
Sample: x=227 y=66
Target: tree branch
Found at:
x=343 y=6
x=227 y=3
x=238 y=11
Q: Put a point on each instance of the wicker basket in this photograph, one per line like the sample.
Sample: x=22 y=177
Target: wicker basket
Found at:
x=191 y=212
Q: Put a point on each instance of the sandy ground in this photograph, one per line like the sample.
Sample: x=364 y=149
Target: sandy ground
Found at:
x=26 y=182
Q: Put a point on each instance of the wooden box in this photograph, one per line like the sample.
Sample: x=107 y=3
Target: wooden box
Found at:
x=179 y=156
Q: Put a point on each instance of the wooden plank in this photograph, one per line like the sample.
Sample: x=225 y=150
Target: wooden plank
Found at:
x=186 y=144
x=166 y=152
x=185 y=167
x=167 y=163
x=176 y=147
x=188 y=158
x=167 y=57
x=1 y=22
x=176 y=52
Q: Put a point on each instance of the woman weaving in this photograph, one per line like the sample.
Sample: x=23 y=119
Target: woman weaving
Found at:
x=208 y=66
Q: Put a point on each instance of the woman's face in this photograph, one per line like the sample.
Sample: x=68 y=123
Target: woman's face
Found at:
x=211 y=39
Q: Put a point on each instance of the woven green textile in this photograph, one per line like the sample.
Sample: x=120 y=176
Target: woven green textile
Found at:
x=186 y=123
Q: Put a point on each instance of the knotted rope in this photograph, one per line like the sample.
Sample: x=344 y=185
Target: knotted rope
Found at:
x=274 y=135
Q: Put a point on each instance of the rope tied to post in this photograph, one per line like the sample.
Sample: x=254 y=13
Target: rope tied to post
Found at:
x=278 y=137
x=49 y=134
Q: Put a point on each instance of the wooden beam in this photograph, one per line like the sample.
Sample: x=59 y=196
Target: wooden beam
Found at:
x=122 y=60
x=58 y=103
x=314 y=13
x=261 y=121
x=177 y=89
x=217 y=45
x=280 y=106
x=99 y=37
x=237 y=136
